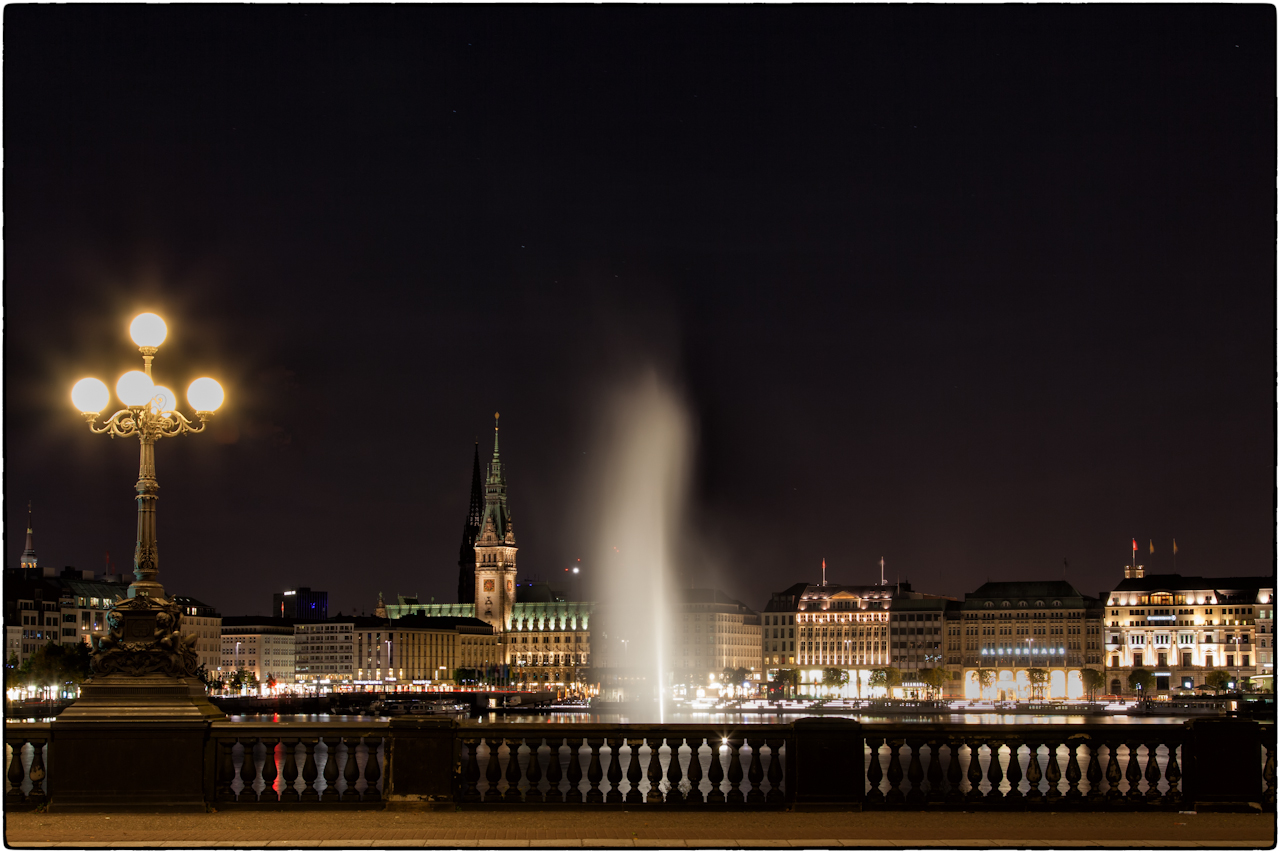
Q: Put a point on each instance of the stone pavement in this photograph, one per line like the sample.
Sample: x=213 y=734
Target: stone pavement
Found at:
x=494 y=829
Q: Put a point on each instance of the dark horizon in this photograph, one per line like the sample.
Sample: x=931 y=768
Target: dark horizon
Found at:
x=975 y=289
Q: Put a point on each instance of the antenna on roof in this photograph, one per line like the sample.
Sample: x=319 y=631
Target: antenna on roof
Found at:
x=882 y=571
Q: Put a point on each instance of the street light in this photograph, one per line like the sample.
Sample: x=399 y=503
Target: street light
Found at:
x=151 y=414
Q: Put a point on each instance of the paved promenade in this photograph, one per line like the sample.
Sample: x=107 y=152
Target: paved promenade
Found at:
x=640 y=828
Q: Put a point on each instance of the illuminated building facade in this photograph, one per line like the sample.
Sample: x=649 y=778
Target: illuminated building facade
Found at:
x=1180 y=628
x=1020 y=640
x=716 y=632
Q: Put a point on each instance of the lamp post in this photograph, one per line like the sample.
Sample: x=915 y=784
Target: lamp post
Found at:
x=150 y=413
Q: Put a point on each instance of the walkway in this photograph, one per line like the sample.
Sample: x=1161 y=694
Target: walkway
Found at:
x=640 y=828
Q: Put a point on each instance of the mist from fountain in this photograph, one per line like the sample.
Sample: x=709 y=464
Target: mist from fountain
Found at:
x=639 y=495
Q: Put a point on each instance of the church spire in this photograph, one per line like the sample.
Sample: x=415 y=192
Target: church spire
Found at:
x=470 y=530
x=29 y=559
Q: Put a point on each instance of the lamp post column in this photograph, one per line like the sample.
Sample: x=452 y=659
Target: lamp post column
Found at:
x=146 y=555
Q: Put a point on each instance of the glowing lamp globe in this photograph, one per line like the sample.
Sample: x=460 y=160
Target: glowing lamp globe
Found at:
x=205 y=394
x=90 y=395
x=148 y=330
x=164 y=401
x=135 y=389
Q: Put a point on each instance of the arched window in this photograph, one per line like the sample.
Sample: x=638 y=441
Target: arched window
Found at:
x=1022 y=604
x=988 y=604
x=1004 y=604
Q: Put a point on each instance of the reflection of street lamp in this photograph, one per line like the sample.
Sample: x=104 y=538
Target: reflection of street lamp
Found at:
x=1235 y=640
x=151 y=414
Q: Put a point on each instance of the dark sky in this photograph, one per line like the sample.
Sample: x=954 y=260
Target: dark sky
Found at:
x=973 y=288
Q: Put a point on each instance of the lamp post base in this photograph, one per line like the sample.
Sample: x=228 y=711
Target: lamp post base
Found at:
x=133 y=743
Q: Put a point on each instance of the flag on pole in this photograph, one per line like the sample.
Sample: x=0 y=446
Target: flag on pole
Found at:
x=1135 y=544
x=1152 y=545
x=1175 y=546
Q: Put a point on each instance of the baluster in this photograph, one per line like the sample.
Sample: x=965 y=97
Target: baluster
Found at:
x=874 y=774
x=36 y=773
x=954 y=776
x=674 y=794
x=695 y=772
x=513 y=771
x=1014 y=774
x=774 y=775
x=1113 y=771
x=1052 y=772
x=755 y=773
x=654 y=794
x=309 y=771
x=492 y=774
x=330 y=766
x=554 y=774
x=372 y=770
x=1073 y=770
x=16 y=774
x=1133 y=773
x=1173 y=773
x=1094 y=773
x=269 y=770
x=895 y=796
x=1268 y=769
x=934 y=774
x=226 y=770
x=994 y=774
x=574 y=794
x=595 y=772
x=534 y=793
x=715 y=774
x=735 y=770
x=1153 y=774
x=915 y=772
x=352 y=771
x=248 y=772
x=975 y=770
x=290 y=793
x=634 y=772
x=1034 y=794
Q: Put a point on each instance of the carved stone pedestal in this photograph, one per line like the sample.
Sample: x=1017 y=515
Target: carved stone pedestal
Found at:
x=134 y=743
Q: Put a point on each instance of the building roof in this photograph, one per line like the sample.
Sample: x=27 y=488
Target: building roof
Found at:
x=1025 y=589
x=1170 y=583
x=439 y=623
x=256 y=621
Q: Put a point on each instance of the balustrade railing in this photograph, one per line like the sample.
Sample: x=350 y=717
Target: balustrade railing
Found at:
x=283 y=764
x=26 y=757
x=919 y=765
x=672 y=765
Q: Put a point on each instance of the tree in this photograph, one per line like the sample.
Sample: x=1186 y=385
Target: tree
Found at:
x=886 y=677
x=56 y=665
x=935 y=677
x=734 y=677
x=1092 y=680
x=986 y=678
x=1038 y=679
x=1218 y=680
x=835 y=677
x=1142 y=680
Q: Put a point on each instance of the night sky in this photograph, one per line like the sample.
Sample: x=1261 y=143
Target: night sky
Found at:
x=973 y=288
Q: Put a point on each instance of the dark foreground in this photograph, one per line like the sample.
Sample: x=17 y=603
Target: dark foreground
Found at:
x=480 y=829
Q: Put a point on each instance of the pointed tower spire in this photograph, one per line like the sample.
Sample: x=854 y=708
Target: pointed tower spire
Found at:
x=470 y=530
x=29 y=559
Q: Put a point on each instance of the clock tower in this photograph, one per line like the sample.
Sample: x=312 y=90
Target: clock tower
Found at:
x=495 y=549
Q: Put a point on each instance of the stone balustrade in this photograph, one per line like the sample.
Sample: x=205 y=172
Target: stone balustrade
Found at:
x=437 y=762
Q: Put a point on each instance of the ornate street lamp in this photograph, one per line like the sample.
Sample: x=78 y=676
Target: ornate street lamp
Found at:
x=145 y=628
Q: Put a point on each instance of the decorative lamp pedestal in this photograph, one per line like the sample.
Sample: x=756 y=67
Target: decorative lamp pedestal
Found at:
x=138 y=737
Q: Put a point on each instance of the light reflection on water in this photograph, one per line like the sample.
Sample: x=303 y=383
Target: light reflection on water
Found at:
x=721 y=717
